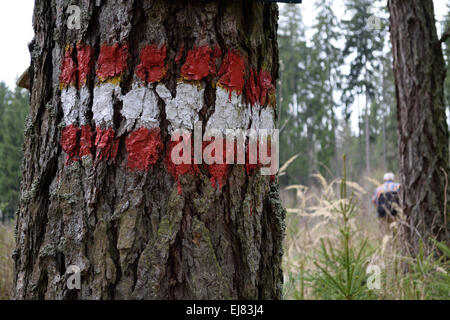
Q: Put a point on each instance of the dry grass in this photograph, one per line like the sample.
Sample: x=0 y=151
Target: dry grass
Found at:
x=6 y=262
x=312 y=215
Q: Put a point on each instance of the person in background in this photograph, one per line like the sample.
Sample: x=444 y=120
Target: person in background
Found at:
x=385 y=197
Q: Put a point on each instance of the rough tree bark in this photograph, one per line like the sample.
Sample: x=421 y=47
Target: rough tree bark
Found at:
x=96 y=195
x=419 y=71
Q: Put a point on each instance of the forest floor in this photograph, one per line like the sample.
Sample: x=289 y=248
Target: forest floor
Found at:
x=333 y=249
x=6 y=263
x=339 y=249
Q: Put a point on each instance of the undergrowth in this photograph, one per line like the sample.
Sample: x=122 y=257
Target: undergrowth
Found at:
x=6 y=262
x=337 y=249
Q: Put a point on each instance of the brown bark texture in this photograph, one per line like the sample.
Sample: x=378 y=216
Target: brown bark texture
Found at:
x=131 y=233
x=419 y=71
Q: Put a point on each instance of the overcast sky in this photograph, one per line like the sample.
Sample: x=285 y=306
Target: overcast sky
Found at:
x=16 y=32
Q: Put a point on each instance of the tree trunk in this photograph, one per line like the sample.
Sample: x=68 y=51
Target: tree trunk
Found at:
x=423 y=134
x=360 y=134
x=335 y=161
x=100 y=190
x=384 y=105
x=367 y=135
x=384 y=138
x=367 y=125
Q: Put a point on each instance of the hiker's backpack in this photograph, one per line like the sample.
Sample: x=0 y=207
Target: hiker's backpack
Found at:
x=387 y=203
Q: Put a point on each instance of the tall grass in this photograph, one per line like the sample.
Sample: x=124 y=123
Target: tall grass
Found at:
x=6 y=262
x=337 y=249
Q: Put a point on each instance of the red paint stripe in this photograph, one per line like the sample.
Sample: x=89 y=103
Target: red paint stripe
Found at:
x=77 y=142
x=84 y=57
x=267 y=88
x=232 y=72
x=218 y=172
x=198 y=64
x=69 y=143
x=68 y=69
x=143 y=148
x=250 y=168
x=216 y=54
x=86 y=141
x=106 y=143
x=177 y=170
x=252 y=89
x=260 y=89
x=112 y=61
x=179 y=54
x=152 y=67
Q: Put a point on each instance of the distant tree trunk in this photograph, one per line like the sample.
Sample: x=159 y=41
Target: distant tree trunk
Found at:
x=367 y=145
x=335 y=169
x=383 y=127
x=419 y=71
x=367 y=135
x=335 y=160
x=99 y=190
x=384 y=139
x=360 y=135
x=367 y=125
x=312 y=156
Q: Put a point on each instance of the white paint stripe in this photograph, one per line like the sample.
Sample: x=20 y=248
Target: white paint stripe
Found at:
x=262 y=117
x=140 y=106
x=182 y=110
x=132 y=106
x=233 y=114
x=229 y=113
x=267 y=118
x=150 y=110
x=103 y=105
x=69 y=101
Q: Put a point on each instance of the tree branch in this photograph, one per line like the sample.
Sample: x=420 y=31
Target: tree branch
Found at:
x=445 y=36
